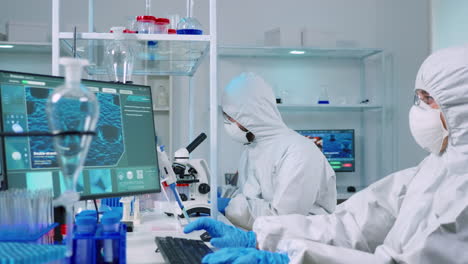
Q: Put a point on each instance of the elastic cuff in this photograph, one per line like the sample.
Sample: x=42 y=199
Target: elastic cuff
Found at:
x=252 y=240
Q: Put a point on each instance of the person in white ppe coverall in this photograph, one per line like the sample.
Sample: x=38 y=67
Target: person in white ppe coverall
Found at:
x=280 y=171
x=418 y=215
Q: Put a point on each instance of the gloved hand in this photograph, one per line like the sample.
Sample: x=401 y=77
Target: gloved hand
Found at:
x=222 y=204
x=245 y=256
x=223 y=235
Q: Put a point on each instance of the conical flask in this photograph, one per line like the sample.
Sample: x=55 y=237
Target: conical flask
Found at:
x=119 y=58
x=72 y=107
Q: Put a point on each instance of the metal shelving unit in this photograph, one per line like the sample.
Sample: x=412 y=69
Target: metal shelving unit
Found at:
x=188 y=50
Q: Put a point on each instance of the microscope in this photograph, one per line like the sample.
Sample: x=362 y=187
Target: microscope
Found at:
x=194 y=173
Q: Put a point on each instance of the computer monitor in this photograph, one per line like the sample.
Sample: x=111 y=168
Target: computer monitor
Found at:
x=122 y=159
x=336 y=145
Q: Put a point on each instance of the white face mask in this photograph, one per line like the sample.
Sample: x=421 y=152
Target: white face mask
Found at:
x=236 y=133
x=427 y=128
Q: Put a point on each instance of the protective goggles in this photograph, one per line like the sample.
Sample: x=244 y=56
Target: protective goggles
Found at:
x=422 y=96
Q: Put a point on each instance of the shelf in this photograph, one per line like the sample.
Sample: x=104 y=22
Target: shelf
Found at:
x=328 y=107
x=25 y=47
x=178 y=55
x=296 y=52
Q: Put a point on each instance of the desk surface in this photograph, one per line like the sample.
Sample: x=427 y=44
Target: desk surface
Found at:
x=140 y=243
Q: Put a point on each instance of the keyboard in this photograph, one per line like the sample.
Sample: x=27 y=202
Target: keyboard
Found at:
x=181 y=250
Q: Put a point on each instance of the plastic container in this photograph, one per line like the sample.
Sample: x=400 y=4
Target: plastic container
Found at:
x=171 y=31
x=145 y=24
x=161 y=25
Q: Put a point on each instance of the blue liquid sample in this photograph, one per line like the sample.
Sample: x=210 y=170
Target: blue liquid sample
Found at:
x=323 y=102
x=189 y=31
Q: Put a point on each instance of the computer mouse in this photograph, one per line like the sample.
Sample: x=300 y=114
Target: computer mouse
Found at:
x=351 y=189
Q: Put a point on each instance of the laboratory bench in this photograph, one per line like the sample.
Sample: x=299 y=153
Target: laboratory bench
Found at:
x=141 y=248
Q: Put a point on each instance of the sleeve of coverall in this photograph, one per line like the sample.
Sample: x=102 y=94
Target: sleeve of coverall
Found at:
x=296 y=186
x=444 y=242
x=311 y=252
x=362 y=222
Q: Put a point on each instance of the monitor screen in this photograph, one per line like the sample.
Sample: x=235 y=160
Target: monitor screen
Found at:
x=122 y=159
x=336 y=145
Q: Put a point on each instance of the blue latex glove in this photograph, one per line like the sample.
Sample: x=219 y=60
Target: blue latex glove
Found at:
x=223 y=235
x=245 y=256
x=222 y=204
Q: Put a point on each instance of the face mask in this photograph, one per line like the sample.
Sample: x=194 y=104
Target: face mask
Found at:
x=427 y=128
x=236 y=133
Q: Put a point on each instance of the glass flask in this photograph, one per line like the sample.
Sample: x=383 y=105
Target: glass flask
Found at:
x=119 y=58
x=189 y=26
x=323 y=97
x=71 y=107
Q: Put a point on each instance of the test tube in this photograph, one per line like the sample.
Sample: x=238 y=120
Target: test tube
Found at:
x=85 y=227
x=110 y=225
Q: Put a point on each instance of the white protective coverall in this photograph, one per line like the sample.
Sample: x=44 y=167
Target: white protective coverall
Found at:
x=280 y=172
x=418 y=215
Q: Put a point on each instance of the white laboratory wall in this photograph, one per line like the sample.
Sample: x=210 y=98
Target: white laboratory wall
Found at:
x=400 y=27
x=449 y=23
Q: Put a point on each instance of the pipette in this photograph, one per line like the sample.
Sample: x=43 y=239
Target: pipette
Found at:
x=170 y=178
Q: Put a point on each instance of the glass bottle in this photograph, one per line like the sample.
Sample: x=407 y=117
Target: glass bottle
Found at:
x=119 y=58
x=71 y=107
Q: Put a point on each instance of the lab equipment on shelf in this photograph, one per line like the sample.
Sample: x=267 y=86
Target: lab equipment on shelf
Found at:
x=161 y=25
x=189 y=26
x=72 y=107
x=323 y=97
x=119 y=57
x=145 y=24
x=26 y=216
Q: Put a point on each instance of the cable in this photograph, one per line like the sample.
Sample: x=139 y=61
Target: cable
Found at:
x=97 y=211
